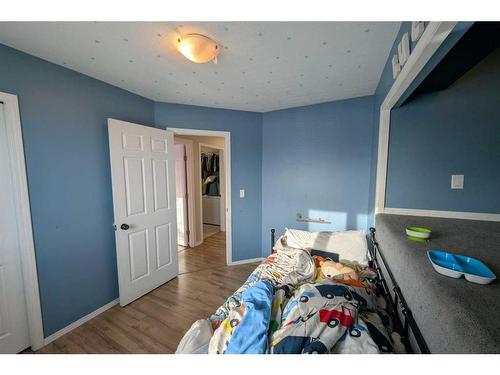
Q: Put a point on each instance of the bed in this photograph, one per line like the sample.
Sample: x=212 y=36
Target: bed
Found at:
x=321 y=292
x=454 y=315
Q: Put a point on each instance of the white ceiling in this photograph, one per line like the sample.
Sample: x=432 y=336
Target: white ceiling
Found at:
x=264 y=66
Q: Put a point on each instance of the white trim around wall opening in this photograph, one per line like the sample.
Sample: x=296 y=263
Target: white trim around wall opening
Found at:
x=227 y=175
x=23 y=213
x=432 y=38
x=190 y=187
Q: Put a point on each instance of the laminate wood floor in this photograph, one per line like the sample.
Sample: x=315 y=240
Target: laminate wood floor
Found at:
x=211 y=253
x=210 y=230
x=156 y=322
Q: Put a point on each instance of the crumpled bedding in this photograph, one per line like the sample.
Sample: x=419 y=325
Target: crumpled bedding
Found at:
x=196 y=340
x=288 y=266
x=284 y=307
x=330 y=317
x=251 y=335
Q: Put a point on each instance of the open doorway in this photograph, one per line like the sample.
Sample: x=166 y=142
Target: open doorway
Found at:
x=203 y=199
x=212 y=187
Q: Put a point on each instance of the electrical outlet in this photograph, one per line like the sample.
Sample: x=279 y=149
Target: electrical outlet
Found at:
x=457 y=181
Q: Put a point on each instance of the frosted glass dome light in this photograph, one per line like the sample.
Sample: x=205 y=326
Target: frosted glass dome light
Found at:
x=198 y=48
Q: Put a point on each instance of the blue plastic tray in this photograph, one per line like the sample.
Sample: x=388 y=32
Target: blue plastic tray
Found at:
x=455 y=265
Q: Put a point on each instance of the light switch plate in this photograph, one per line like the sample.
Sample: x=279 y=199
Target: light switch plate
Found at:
x=457 y=181
x=242 y=193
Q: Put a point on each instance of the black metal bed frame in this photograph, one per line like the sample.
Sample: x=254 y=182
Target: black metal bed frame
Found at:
x=396 y=303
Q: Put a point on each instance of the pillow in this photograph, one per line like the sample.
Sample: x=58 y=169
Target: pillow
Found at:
x=349 y=245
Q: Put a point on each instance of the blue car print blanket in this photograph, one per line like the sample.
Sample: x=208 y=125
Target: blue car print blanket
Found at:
x=285 y=308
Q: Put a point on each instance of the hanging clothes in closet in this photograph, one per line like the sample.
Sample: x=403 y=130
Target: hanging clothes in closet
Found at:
x=210 y=173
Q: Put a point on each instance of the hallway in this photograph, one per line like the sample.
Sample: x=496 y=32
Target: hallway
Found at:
x=210 y=254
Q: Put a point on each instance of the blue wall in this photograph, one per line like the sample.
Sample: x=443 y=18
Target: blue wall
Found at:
x=63 y=115
x=385 y=84
x=455 y=131
x=316 y=160
x=246 y=164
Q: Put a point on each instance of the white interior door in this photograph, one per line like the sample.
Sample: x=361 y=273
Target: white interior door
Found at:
x=14 y=331
x=181 y=194
x=143 y=177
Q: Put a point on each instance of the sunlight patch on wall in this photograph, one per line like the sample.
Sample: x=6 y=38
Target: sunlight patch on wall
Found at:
x=361 y=221
x=337 y=220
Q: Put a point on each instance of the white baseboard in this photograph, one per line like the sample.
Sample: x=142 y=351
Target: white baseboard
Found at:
x=443 y=214
x=244 y=261
x=80 y=321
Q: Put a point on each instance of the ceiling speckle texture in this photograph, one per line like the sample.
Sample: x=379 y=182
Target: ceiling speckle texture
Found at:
x=263 y=66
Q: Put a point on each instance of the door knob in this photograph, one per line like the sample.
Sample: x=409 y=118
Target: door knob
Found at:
x=125 y=226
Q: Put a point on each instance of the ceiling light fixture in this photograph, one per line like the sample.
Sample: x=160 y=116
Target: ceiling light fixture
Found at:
x=198 y=48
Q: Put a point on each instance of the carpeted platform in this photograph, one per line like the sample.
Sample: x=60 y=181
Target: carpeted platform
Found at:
x=454 y=315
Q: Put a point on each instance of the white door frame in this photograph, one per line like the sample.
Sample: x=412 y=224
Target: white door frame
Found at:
x=432 y=38
x=23 y=213
x=190 y=186
x=227 y=170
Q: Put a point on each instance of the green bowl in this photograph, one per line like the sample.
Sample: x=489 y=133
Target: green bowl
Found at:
x=418 y=232
x=416 y=239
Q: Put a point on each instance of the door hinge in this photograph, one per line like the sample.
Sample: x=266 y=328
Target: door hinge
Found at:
x=187 y=195
x=185 y=158
x=114 y=227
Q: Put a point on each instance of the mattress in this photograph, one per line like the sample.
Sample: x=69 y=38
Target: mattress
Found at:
x=454 y=315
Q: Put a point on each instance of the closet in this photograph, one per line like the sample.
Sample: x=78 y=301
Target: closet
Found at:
x=210 y=186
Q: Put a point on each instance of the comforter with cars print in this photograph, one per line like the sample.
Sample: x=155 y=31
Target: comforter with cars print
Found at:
x=329 y=317
x=288 y=310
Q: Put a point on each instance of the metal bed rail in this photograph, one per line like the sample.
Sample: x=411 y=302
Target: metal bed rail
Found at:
x=396 y=303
